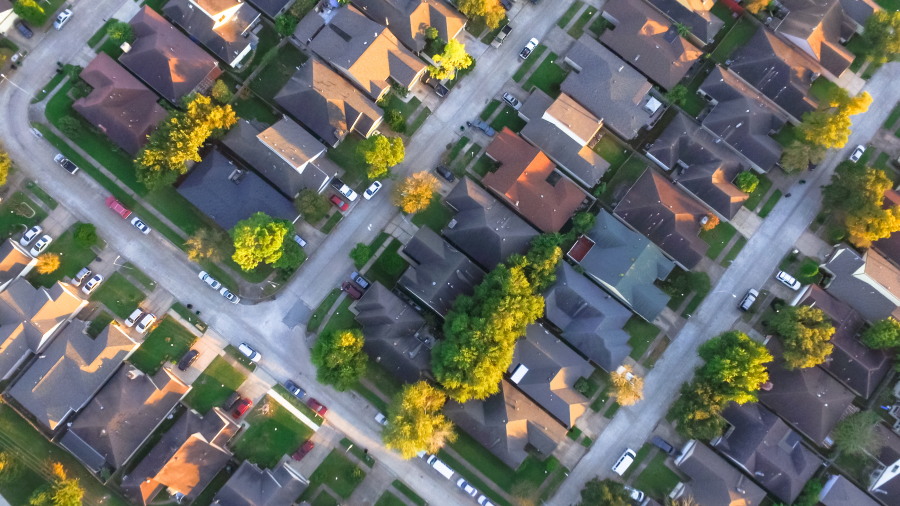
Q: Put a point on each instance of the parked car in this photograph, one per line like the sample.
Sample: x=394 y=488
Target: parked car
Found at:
x=380 y=418
x=140 y=225
x=24 y=29
x=294 y=389
x=65 y=163
x=636 y=495
x=372 y=190
x=62 y=19
x=92 y=284
x=445 y=173
x=146 y=322
x=209 y=280
x=133 y=317
x=501 y=36
x=241 y=408
x=788 y=280
x=318 y=408
x=512 y=101
x=230 y=297
x=82 y=274
x=624 y=462
x=468 y=489
x=343 y=206
x=483 y=501
x=117 y=206
x=664 y=445
x=30 y=234
x=343 y=189
x=361 y=281
x=351 y=290
x=41 y=245
x=303 y=450
x=748 y=300
x=528 y=48
x=189 y=358
x=481 y=125
x=857 y=153
x=299 y=240
x=439 y=89
x=249 y=352
x=230 y=401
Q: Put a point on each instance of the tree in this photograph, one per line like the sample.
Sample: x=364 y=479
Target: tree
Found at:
x=414 y=193
x=395 y=120
x=582 y=222
x=629 y=386
x=810 y=494
x=754 y=6
x=62 y=491
x=220 y=92
x=799 y=155
x=712 y=221
x=490 y=10
x=120 y=32
x=416 y=421
x=746 y=181
x=542 y=259
x=735 y=366
x=453 y=58
x=856 y=193
x=71 y=127
x=381 y=153
x=311 y=205
x=360 y=254
x=604 y=493
x=205 y=244
x=678 y=94
x=285 y=24
x=830 y=128
x=882 y=35
x=86 y=235
x=805 y=332
x=339 y=358
x=10 y=467
x=47 y=263
x=882 y=334
x=30 y=11
x=698 y=412
x=431 y=33
x=683 y=30
x=684 y=282
x=292 y=255
x=257 y=239
x=858 y=435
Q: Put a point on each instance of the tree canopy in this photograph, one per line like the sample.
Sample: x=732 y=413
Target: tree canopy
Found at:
x=452 y=59
x=735 y=366
x=798 y=155
x=285 y=24
x=416 y=421
x=47 y=263
x=754 y=6
x=830 y=128
x=857 y=434
x=311 y=205
x=292 y=255
x=604 y=493
x=61 y=491
x=414 y=192
x=220 y=92
x=120 y=32
x=882 y=334
x=882 y=35
x=746 y=181
x=541 y=261
x=629 y=386
x=381 y=153
x=5 y=165
x=805 y=332
x=30 y=11
x=698 y=412
x=490 y=10
x=206 y=244
x=856 y=194
x=339 y=358
x=257 y=239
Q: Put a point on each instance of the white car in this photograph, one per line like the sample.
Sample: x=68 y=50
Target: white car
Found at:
x=140 y=225
x=209 y=280
x=249 y=352
x=82 y=274
x=234 y=299
x=857 y=153
x=483 y=501
x=512 y=101
x=372 y=190
x=380 y=418
x=788 y=280
x=62 y=19
x=30 y=234
x=528 y=48
x=624 y=462
x=92 y=285
x=348 y=192
x=41 y=245
x=636 y=495
x=133 y=317
x=145 y=323
x=468 y=489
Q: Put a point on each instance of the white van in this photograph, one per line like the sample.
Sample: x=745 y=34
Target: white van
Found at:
x=440 y=467
x=624 y=462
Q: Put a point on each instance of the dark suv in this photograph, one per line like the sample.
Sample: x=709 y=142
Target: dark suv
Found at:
x=24 y=29
x=445 y=173
x=188 y=359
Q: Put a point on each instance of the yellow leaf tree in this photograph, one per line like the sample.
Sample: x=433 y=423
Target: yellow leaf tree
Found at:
x=831 y=128
x=258 y=239
x=629 y=386
x=414 y=193
x=454 y=57
x=416 y=421
x=490 y=10
x=382 y=153
x=856 y=193
x=47 y=263
x=805 y=332
x=61 y=491
x=5 y=162
x=754 y=6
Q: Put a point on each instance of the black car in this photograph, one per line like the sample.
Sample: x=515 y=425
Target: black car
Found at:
x=188 y=359
x=232 y=399
x=294 y=389
x=24 y=29
x=664 y=445
x=445 y=173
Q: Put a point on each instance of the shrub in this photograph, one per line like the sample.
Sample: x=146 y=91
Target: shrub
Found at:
x=396 y=121
x=746 y=182
x=361 y=254
x=551 y=464
x=286 y=24
x=583 y=387
x=809 y=270
x=220 y=92
x=120 y=32
x=71 y=127
x=313 y=206
x=86 y=235
x=711 y=222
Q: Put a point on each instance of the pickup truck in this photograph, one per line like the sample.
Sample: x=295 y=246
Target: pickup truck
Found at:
x=116 y=206
x=65 y=163
x=504 y=32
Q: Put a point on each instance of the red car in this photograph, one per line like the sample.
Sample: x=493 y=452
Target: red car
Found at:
x=318 y=408
x=343 y=206
x=306 y=448
x=117 y=206
x=351 y=290
x=241 y=408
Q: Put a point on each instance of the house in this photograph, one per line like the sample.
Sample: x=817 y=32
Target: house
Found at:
x=15 y=262
x=391 y=329
x=408 y=19
x=838 y=491
x=530 y=183
x=30 y=318
x=883 y=481
x=779 y=71
x=123 y=414
x=185 y=460
x=624 y=263
x=869 y=283
x=363 y=51
x=761 y=444
x=507 y=423
x=854 y=364
x=166 y=60
x=693 y=14
x=327 y=104
x=7 y=16
x=713 y=481
x=648 y=41
x=889 y=247
x=439 y=273
x=221 y=26
x=66 y=375
x=546 y=369
x=484 y=228
x=701 y=164
x=609 y=88
x=656 y=208
x=589 y=318
x=252 y=486
x=272 y=8
x=743 y=118
x=565 y=131
x=120 y=105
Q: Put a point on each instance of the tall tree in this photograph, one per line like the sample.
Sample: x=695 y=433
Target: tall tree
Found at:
x=285 y=24
x=381 y=153
x=416 y=421
x=678 y=94
x=257 y=239
x=805 y=332
x=47 y=263
x=205 y=244
x=826 y=129
x=292 y=255
x=882 y=334
x=490 y=10
x=339 y=358
x=30 y=11
x=882 y=34
x=629 y=386
x=858 y=435
x=698 y=412
x=311 y=205
x=735 y=366
x=582 y=222
x=604 y=493
x=799 y=155
x=414 y=192
x=856 y=194
x=120 y=32
x=452 y=59
x=61 y=491
x=541 y=261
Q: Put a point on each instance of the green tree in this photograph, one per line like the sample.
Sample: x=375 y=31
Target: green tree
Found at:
x=882 y=36
x=735 y=366
x=339 y=358
x=810 y=494
x=698 y=412
x=86 y=235
x=61 y=491
x=490 y=10
x=798 y=155
x=120 y=32
x=830 y=128
x=683 y=30
x=684 y=282
x=395 y=120
x=805 y=332
x=360 y=254
x=220 y=92
x=71 y=127
x=678 y=94
x=431 y=33
x=858 y=435
x=381 y=153
x=311 y=205
x=285 y=24
x=542 y=259
x=5 y=165
x=416 y=421
x=856 y=194
x=292 y=255
x=10 y=467
x=882 y=334
x=452 y=59
x=746 y=181
x=257 y=239
x=582 y=222
x=604 y=493
x=30 y=11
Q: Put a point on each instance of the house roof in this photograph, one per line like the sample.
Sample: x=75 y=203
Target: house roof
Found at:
x=212 y=188
x=590 y=319
x=767 y=449
x=706 y=169
x=658 y=209
x=165 y=59
x=226 y=40
x=869 y=284
x=838 y=491
x=506 y=422
x=887 y=486
x=714 y=482
x=252 y=486
x=530 y=183
x=327 y=104
x=120 y=105
x=778 y=70
x=889 y=247
x=124 y=413
x=389 y=326
x=546 y=369
x=292 y=143
x=13 y=261
x=408 y=19
x=817 y=27
x=694 y=14
x=607 y=87
x=74 y=367
x=648 y=41
x=743 y=118
x=484 y=228
x=270 y=8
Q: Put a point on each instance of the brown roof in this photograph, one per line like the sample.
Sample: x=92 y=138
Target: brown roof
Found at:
x=530 y=182
x=408 y=19
x=14 y=261
x=713 y=481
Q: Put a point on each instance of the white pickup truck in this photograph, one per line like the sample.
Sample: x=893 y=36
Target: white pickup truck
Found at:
x=504 y=32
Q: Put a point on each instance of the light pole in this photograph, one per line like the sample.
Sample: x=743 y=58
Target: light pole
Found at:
x=17 y=86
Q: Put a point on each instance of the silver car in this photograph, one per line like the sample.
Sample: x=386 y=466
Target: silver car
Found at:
x=209 y=280
x=30 y=234
x=788 y=280
x=41 y=245
x=512 y=101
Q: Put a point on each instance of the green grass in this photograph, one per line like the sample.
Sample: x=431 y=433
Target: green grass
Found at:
x=638 y=459
x=319 y=314
x=472 y=478
x=614 y=151
x=214 y=385
x=112 y=48
x=599 y=26
x=389 y=499
x=347 y=156
x=483 y=460
x=342 y=317
x=240 y=357
x=882 y=161
x=416 y=123
x=98 y=324
x=577 y=29
x=787 y=135
x=823 y=89
x=483 y=165
x=587 y=442
x=139 y=276
x=254 y=108
x=624 y=178
x=408 y=492
x=99 y=34
x=41 y=94
x=19 y=213
x=889 y=5
x=358 y=452
x=269 y=81
x=642 y=335
x=189 y=315
x=767 y=207
x=733 y=252
x=527 y=64
x=547 y=77
x=657 y=352
x=42 y=195
x=553 y=482
x=870 y=71
x=489 y=110
x=389 y=266
x=373 y=247
x=570 y=13
x=119 y=295
x=300 y=405
x=765 y=184
x=406 y=109
x=371 y=396
x=168 y=342
x=740 y=34
x=454 y=151
x=335 y=471
x=864 y=159
x=508 y=118
x=893 y=117
x=657 y=480
x=574 y=433
x=73 y=257
x=807 y=280
x=205 y=498
x=332 y=222
x=325 y=499
x=271 y=435
x=8 y=44
x=695 y=302
x=718 y=238
x=459 y=167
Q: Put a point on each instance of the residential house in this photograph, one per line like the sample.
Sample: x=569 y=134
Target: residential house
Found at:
x=589 y=318
x=15 y=262
x=221 y=26
x=889 y=247
x=693 y=14
x=698 y=162
x=609 y=88
x=565 y=131
x=883 y=482
x=530 y=183
x=713 y=481
x=507 y=423
x=363 y=51
x=327 y=104
x=120 y=105
x=67 y=375
x=838 y=491
x=391 y=328
x=743 y=118
x=123 y=414
x=761 y=444
x=624 y=263
x=484 y=228
x=228 y=193
x=272 y=8
x=408 y=19
x=439 y=272
x=658 y=209
x=185 y=460
x=166 y=60
x=252 y=486
x=868 y=283
x=546 y=369
x=7 y=16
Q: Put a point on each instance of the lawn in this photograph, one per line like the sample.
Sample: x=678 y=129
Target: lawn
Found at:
x=408 y=492
x=459 y=166
x=316 y=319
x=638 y=459
x=823 y=89
x=273 y=433
x=864 y=159
x=358 y=452
x=189 y=315
x=508 y=118
x=657 y=480
x=810 y=265
x=695 y=302
x=553 y=482
x=547 y=77
x=371 y=396
x=53 y=83
x=240 y=357
x=623 y=180
x=642 y=335
x=119 y=295
x=406 y=109
x=893 y=117
x=373 y=247
x=342 y=317
x=100 y=322
x=599 y=26
x=657 y=352
x=214 y=385
x=139 y=276
x=100 y=33
x=484 y=165
x=347 y=156
x=489 y=110
x=300 y=405
x=389 y=499
x=740 y=34
x=168 y=342
x=567 y=17
x=718 y=238
x=472 y=478
x=389 y=266
x=73 y=257
x=332 y=222
x=276 y=73
x=733 y=252
x=454 y=151
x=42 y=195
x=19 y=213
x=761 y=190
x=527 y=64
x=767 y=207
x=412 y=127
x=881 y=161
x=614 y=151
x=255 y=108
x=436 y=216
x=337 y=471
x=482 y=459
x=577 y=29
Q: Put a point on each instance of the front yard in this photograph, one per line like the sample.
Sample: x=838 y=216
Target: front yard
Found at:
x=273 y=433
x=718 y=238
x=642 y=333
x=338 y=472
x=436 y=216
x=19 y=213
x=389 y=266
x=119 y=295
x=73 y=257
x=214 y=385
x=168 y=342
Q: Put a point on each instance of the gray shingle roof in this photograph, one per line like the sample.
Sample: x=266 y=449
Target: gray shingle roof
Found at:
x=292 y=143
x=838 y=491
x=252 y=486
x=869 y=284
x=817 y=28
x=693 y=14
x=408 y=19
x=714 y=482
x=271 y=8
x=227 y=40
x=389 y=326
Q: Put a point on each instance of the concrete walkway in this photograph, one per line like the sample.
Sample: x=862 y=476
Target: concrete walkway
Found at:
x=294 y=411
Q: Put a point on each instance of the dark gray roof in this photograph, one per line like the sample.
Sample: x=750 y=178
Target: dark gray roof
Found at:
x=713 y=481
x=886 y=487
x=870 y=284
x=408 y=19
x=743 y=118
x=210 y=187
x=838 y=491
x=693 y=14
x=817 y=28
x=860 y=10
x=485 y=229
x=252 y=486
x=227 y=41
x=590 y=319
x=389 y=326
x=706 y=169
x=271 y=8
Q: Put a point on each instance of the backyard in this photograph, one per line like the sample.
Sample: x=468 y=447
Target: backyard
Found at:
x=168 y=342
x=273 y=433
x=119 y=295
x=214 y=385
x=436 y=216
x=623 y=180
x=277 y=71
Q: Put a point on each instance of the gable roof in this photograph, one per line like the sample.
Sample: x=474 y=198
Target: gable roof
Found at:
x=694 y=14
x=230 y=41
x=817 y=27
x=838 y=491
x=271 y=8
x=889 y=247
x=408 y=19
x=656 y=208
x=120 y=105
x=14 y=261
x=292 y=143
x=390 y=326
x=252 y=486
x=713 y=481
x=869 y=284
